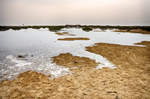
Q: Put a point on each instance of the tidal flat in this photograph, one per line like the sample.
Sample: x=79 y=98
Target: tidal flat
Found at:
x=109 y=64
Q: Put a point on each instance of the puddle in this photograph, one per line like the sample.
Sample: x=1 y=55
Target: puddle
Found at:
x=43 y=45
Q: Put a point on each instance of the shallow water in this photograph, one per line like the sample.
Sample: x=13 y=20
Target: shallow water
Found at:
x=40 y=45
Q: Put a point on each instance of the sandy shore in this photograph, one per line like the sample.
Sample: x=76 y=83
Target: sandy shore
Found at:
x=130 y=80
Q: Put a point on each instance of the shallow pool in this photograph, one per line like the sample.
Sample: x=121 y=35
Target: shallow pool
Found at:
x=40 y=45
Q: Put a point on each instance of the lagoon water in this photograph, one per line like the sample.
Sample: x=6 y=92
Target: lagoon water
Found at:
x=40 y=45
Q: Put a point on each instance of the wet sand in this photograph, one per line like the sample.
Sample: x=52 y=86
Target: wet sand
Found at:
x=72 y=39
x=64 y=33
x=147 y=43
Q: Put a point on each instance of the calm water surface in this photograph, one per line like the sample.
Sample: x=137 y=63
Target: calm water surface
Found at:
x=40 y=45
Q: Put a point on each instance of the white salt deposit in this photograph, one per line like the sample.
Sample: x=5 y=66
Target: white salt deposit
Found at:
x=43 y=45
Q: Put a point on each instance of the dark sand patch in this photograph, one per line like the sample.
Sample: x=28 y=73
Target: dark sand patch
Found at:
x=133 y=31
x=67 y=59
x=65 y=33
x=72 y=39
x=131 y=80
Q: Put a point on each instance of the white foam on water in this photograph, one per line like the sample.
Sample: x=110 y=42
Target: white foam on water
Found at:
x=17 y=61
x=45 y=68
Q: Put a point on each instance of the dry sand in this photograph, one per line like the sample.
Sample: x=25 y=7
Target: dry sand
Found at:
x=131 y=79
x=133 y=31
x=72 y=39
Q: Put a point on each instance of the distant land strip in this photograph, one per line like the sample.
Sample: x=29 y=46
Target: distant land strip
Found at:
x=84 y=27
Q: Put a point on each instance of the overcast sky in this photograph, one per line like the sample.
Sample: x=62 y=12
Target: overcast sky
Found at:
x=110 y=12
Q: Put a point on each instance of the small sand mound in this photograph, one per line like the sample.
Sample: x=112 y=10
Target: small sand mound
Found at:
x=64 y=33
x=72 y=39
x=70 y=61
x=147 y=43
